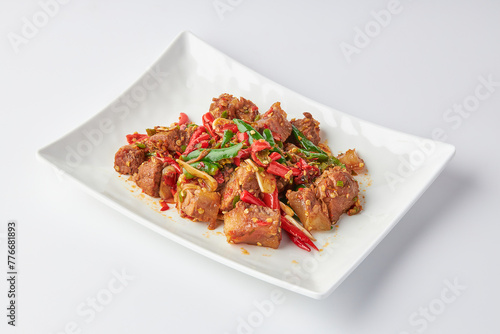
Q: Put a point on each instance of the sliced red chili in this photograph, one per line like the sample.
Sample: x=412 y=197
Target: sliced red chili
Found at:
x=271 y=200
x=262 y=223
x=300 y=243
x=164 y=205
x=251 y=199
x=219 y=177
x=275 y=156
x=136 y=137
x=208 y=120
x=277 y=169
x=296 y=232
x=183 y=118
x=230 y=126
x=243 y=153
x=259 y=145
x=256 y=159
x=242 y=137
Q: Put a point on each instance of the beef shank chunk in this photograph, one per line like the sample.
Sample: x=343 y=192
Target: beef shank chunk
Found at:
x=233 y=108
x=311 y=212
x=352 y=161
x=171 y=140
x=253 y=224
x=129 y=158
x=201 y=205
x=275 y=119
x=338 y=190
x=149 y=176
x=309 y=127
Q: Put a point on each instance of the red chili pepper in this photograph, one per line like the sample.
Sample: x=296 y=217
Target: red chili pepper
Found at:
x=296 y=171
x=275 y=156
x=272 y=201
x=170 y=179
x=244 y=153
x=230 y=126
x=300 y=243
x=204 y=144
x=237 y=161
x=194 y=139
x=262 y=223
x=254 y=108
x=242 y=137
x=277 y=169
x=219 y=177
x=136 y=137
x=259 y=145
x=164 y=206
x=208 y=119
x=251 y=199
x=257 y=160
x=296 y=232
x=183 y=118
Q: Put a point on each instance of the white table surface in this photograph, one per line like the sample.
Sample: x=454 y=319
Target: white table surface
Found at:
x=419 y=63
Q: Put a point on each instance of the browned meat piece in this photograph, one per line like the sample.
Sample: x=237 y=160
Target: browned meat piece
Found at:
x=149 y=176
x=168 y=180
x=234 y=108
x=275 y=120
x=172 y=140
x=253 y=224
x=352 y=161
x=338 y=190
x=310 y=211
x=128 y=159
x=309 y=127
x=243 y=178
x=201 y=205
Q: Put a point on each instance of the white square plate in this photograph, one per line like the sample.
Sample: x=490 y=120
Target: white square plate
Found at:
x=185 y=79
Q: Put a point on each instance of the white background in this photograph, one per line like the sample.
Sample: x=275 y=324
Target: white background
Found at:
x=427 y=59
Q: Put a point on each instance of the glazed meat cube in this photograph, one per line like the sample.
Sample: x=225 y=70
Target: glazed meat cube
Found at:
x=149 y=176
x=309 y=127
x=253 y=224
x=172 y=140
x=233 y=108
x=338 y=190
x=201 y=205
x=243 y=178
x=352 y=161
x=311 y=213
x=128 y=159
x=275 y=120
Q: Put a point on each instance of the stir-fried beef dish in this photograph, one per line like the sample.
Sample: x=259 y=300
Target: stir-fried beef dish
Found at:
x=256 y=173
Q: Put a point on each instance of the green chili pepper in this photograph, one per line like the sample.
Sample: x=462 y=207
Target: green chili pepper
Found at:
x=140 y=145
x=306 y=143
x=314 y=155
x=236 y=199
x=309 y=146
x=340 y=183
x=216 y=154
x=187 y=174
x=228 y=134
x=224 y=114
x=205 y=166
x=150 y=132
